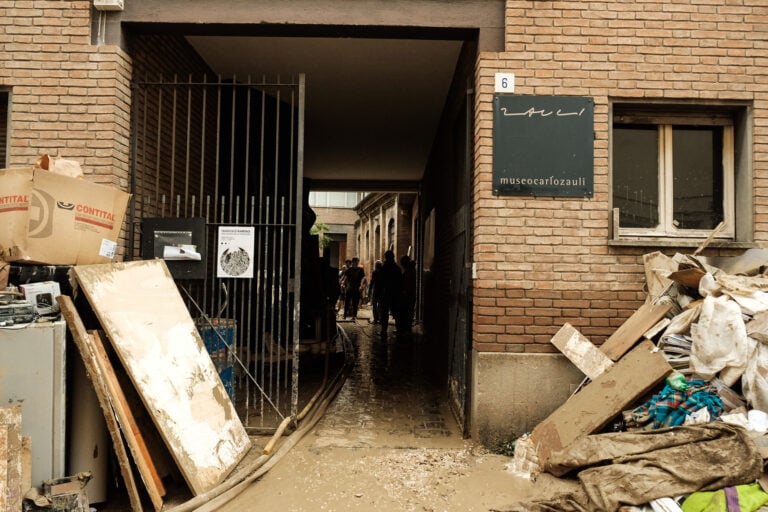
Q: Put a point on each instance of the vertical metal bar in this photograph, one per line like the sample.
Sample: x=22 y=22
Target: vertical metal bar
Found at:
x=232 y=145
x=203 y=133
x=173 y=135
x=262 y=237
x=284 y=296
x=279 y=295
x=246 y=351
x=247 y=170
x=275 y=247
x=158 y=142
x=264 y=323
x=189 y=134
x=206 y=281
x=297 y=235
x=218 y=149
x=276 y=169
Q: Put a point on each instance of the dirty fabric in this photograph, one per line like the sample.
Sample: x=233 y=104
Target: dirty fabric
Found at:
x=633 y=468
x=670 y=406
x=720 y=338
x=748 y=498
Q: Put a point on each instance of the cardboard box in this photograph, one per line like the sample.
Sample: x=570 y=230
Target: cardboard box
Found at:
x=52 y=219
x=42 y=296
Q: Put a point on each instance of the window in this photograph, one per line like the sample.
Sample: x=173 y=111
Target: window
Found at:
x=4 y=97
x=675 y=173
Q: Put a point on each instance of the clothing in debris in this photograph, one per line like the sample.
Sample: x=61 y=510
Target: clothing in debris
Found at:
x=744 y=498
x=671 y=406
x=634 y=468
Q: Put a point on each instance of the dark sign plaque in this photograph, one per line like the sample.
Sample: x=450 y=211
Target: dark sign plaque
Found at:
x=543 y=146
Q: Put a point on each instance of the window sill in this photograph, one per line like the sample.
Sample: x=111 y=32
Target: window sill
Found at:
x=679 y=242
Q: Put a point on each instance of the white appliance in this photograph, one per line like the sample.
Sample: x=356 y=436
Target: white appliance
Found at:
x=33 y=373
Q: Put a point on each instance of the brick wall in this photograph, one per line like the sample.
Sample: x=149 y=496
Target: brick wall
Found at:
x=542 y=262
x=68 y=98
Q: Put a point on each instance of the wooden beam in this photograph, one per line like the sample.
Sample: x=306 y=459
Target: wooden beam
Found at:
x=85 y=347
x=625 y=337
x=581 y=352
x=592 y=408
x=130 y=429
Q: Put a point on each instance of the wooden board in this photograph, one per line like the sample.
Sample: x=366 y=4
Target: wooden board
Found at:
x=153 y=334
x=581 y=352
x=592 y=408
x=10 y=419
x=625 y=337
x=3 y=468
x=83 y=343
x=131 y=432
x=26 y=464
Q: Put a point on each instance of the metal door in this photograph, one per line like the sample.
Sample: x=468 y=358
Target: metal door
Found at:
x=231 y=152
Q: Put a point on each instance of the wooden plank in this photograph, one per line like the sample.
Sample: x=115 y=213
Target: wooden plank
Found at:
x=4 y=468
x=26 y=464
x=84 y=344
x=581 y=352
x=625 y=337
x=131 y=432
x=593 y=407
x=10 y=418
x=153 y=334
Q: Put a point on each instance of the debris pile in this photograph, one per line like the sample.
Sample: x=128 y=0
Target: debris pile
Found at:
x=672 y=413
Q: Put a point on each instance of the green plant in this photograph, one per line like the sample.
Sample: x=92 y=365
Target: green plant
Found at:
x=319 y=229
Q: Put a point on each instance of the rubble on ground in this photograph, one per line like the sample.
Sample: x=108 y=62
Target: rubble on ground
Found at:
x=672 y=413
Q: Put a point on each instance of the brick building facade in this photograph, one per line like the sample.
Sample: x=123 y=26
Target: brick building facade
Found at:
x=538 y=262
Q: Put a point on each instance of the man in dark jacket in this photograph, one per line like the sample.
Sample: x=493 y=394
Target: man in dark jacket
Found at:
x=390 y=283
x=353 y=279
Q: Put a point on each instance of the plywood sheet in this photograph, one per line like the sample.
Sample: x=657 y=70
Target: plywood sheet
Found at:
x=155 y=338
x=83 y=343
x=592 y=408
x=581 y=352
x=633 y=329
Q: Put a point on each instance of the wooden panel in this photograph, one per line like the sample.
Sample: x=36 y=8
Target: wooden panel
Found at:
x=155 y=338
x=131 y=431
x=84 y=346
x=592 y=408
x=3 y=468
x=581 y=352
x=10 y=420
x=633 y=329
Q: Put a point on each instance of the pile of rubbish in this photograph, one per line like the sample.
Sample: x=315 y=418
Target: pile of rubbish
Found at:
x=672 y=414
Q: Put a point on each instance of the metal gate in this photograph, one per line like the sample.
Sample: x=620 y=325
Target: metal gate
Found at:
x=229 y=155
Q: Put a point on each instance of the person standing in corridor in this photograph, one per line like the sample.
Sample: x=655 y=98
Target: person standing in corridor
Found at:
x=353 y=279
x=390 y=284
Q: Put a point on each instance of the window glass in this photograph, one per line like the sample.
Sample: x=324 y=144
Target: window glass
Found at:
x=697 y=164
x=3 y=128
x=636 y=175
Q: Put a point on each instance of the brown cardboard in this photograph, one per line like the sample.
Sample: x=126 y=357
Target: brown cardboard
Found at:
x=52 y=219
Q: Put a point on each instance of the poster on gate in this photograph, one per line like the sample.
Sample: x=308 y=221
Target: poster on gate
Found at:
x=235 y=252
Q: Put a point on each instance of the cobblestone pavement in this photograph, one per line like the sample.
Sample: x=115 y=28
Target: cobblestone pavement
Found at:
x=387 y=442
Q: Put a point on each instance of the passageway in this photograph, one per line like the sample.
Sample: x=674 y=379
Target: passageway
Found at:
x=388 y=441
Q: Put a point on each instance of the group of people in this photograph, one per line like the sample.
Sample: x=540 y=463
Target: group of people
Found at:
x=391 y=291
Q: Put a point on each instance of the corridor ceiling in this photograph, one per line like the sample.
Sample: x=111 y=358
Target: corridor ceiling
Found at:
x=372 y=105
